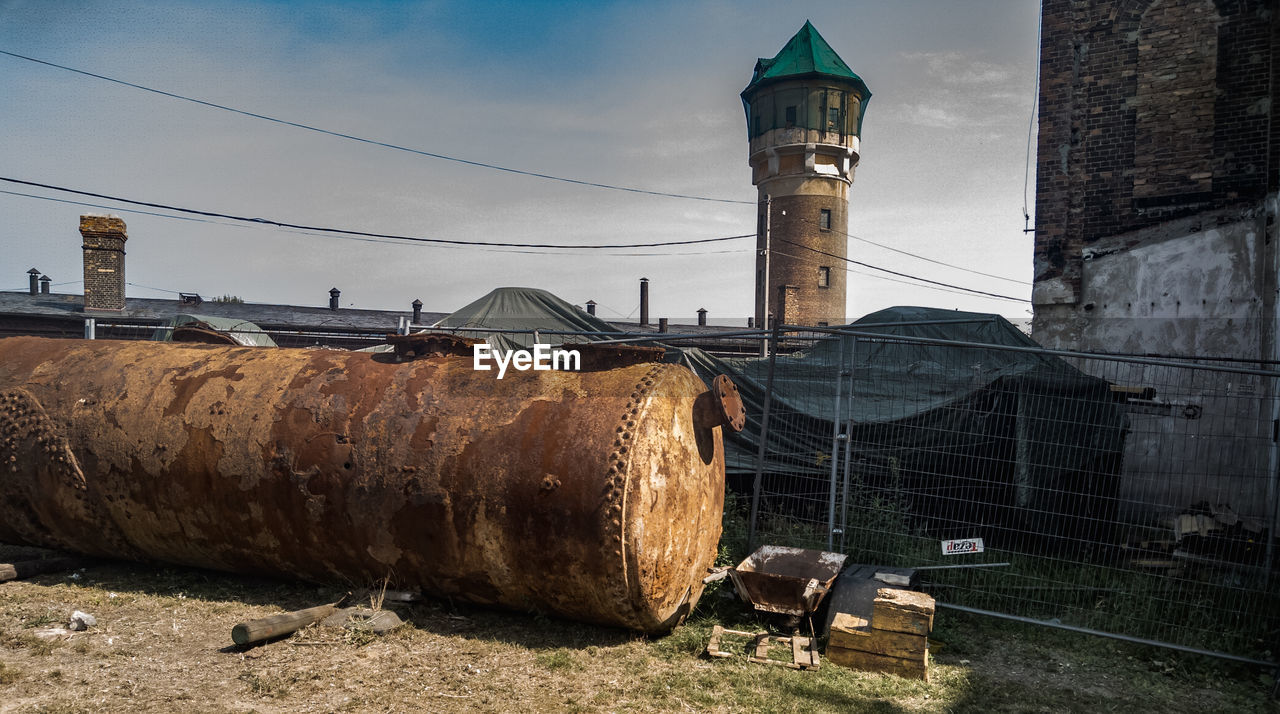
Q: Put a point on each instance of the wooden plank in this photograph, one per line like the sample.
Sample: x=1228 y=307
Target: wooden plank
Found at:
x=868 y=662
x=883 y=642
x=903 y=611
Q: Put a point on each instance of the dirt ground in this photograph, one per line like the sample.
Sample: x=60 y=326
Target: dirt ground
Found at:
x=162 y=643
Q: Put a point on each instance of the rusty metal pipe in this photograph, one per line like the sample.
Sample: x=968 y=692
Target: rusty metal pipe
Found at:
x=592 y=495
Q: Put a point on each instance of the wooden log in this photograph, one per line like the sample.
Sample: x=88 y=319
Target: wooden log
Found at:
x=902 y=611
x=277 y=625
x=869 y=662
x=27 y=568
x=852 y=633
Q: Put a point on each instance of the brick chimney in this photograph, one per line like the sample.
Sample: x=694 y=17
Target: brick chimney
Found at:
x=334 y=294
x=44 y=284
x=33 y=275
x=644 y=301
x=591 y=307
x=104 y=238
x=702 y=316
x=417 y=312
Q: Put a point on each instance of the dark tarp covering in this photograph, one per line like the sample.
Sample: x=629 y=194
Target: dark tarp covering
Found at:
x=524 y=309
x=951 y=426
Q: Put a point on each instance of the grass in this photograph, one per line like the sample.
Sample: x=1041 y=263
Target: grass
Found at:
x=163 y=643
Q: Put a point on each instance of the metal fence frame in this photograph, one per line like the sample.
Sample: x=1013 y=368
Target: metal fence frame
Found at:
x=1256 y=583
x=840 y=490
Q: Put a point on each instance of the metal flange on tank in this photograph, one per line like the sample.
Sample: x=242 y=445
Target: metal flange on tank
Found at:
x=595 y=495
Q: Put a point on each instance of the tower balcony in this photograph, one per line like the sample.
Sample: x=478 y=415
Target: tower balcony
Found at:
x=799 y=152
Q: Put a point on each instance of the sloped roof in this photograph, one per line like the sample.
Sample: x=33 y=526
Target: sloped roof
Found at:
x=805 y=54
x=524 y=309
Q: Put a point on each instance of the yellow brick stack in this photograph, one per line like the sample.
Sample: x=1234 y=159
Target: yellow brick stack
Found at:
x=896 y=641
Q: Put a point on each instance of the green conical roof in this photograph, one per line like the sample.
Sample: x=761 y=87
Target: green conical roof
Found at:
x=805 y=55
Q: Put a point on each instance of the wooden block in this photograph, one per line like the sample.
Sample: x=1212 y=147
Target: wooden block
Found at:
x=854 y=633
x=868 y=662
x=902 y=611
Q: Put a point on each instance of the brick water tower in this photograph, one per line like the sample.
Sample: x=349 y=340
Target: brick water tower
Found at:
x=804 y=116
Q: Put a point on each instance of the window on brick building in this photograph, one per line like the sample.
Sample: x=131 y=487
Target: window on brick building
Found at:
x=791 y=116
x=824 y=276
x=824 y=219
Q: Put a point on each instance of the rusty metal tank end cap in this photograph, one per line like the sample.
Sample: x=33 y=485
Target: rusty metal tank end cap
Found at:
x=721 y=406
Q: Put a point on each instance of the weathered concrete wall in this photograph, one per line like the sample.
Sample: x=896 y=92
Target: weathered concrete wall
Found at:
x=1158 y=163
x=1199 y=287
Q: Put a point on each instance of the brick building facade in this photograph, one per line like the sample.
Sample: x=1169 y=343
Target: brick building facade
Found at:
x=1156 y=233
x=1156 y=175
x=804 y=117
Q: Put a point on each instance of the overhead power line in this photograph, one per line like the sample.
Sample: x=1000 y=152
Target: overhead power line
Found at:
x=1031 y=123
x=347 y=232
x=373 y=142
x=905 y=275
x=818 y=261
x=363 y=235
x=920 y=257
x=342 y=237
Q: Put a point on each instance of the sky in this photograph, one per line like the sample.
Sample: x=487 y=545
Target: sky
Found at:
x=634 y=94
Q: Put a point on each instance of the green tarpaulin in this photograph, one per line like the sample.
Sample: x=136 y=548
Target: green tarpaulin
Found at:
x=948 y=425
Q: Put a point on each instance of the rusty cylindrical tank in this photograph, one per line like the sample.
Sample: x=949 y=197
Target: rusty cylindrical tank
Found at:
x=595 y=495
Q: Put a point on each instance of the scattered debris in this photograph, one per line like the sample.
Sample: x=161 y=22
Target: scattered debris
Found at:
x=81 y=621
x=401 y=596
x=1204 y=534
x=24 y=569
x=364 y=619
x=50 y=633
x=804 y=651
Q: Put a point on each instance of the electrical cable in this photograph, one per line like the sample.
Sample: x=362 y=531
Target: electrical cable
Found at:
x=915 y=255
x=340 y=237
x=390 y=236
x=900 y=281
x=1035 y=103
x=373 y=142
x=906 y=275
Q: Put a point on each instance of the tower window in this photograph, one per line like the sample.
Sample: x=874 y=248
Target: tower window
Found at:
x=824 y=276
x=791 y=116
x=833 y=118
x=824 y=219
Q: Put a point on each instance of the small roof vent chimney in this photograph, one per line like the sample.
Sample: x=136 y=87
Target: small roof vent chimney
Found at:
x=334 y=294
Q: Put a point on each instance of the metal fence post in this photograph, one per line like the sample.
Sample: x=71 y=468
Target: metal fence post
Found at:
x=848 y=442
x=836 y=438
x=764 y=436
x=90 y=328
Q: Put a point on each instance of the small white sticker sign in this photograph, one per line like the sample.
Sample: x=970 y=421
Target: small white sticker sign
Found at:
x=962 y=546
